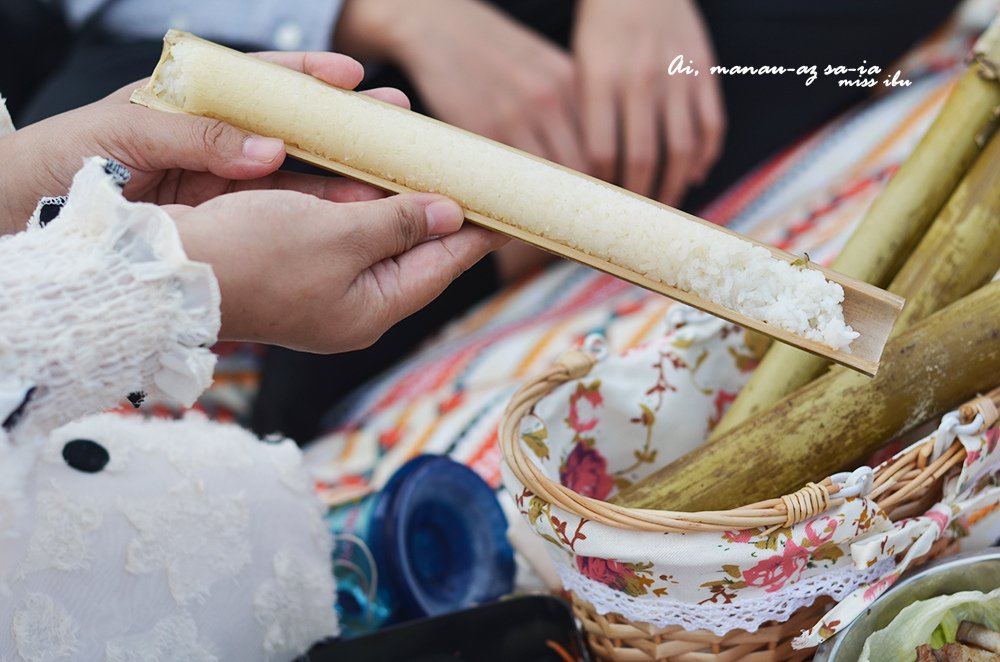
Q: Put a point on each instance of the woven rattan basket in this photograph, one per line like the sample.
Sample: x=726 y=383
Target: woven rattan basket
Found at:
x=907 y=486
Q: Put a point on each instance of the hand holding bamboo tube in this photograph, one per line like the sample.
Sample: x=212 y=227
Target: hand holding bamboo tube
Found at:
x=896 y=221
x=560 y=210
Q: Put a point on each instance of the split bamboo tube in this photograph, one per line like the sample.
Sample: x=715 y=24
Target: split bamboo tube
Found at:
x=551 y=207
x=896 y=220
x=841 y=417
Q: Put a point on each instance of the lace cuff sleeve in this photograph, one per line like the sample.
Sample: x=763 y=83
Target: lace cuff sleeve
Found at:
x=100 y=303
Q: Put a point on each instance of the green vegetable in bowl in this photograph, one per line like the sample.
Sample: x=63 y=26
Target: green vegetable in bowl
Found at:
x=934 y=621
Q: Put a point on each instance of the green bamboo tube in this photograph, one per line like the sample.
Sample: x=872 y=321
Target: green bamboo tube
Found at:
x=940 y=362
x=959 y=253
x=957 y=256
x=895 y=222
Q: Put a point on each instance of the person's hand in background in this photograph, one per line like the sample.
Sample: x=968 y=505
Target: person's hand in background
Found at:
x=475 y=68
x=652 y=133
x=479 y=70
x=173 y=158
x=609 y=108
x=324 y=266
x=313 y=274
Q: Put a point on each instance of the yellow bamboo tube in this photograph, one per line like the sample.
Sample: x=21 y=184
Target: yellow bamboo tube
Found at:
x=554 y=208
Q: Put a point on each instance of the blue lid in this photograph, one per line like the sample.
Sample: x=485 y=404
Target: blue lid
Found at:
x=440 y=538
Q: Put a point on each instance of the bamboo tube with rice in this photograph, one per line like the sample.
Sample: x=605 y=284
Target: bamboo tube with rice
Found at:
x=839 y=419
x=895 y=222
x=554 y=208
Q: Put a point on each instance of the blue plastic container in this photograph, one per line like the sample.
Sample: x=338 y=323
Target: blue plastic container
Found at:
x=437 y=538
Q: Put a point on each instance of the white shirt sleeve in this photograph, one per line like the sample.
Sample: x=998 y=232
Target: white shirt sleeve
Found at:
x=103 y=302
x=287 y=25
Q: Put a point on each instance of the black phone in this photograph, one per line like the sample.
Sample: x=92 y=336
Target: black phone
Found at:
x=537 y=628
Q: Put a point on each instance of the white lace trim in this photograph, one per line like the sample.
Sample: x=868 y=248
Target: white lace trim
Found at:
x=64 y=533
x=146 y=237
x=720 y=619
x=172 y=638
x=43 y=630
x=296 y=605
x=198 y=537
x=100 y=303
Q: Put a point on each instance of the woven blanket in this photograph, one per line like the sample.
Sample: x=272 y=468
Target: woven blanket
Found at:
x=449 y=396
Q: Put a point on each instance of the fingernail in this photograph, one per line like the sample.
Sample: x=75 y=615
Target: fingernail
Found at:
x=261 y=149
x=443 y=217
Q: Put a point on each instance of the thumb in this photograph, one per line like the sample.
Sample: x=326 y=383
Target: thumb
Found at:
x=204 y=144
x=408 y=283
x=391 y=226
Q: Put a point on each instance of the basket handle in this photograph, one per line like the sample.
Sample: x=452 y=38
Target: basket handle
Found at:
x=802 y=505
x=815 y=498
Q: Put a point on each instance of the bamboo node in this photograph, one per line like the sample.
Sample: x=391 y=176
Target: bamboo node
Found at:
x=805 y=504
